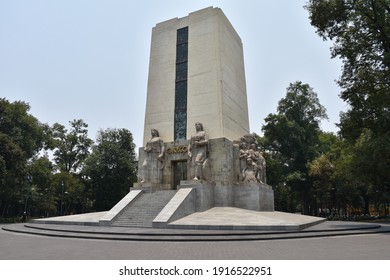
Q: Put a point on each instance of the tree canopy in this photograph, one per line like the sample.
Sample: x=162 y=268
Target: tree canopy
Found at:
x=21 y=136
x=293 y=135
x=43 y=185
x=71 y=147
x=360 y=32
x=112 y=167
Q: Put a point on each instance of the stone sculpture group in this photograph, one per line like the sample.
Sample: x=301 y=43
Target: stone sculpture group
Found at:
x=252 y=165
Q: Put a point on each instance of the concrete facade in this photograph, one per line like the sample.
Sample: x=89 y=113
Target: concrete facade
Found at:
x=216 y=93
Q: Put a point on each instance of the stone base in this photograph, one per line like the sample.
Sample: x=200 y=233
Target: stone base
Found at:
x=232 y=218
x=203 y=193
x=199 y=196
x=251 y=196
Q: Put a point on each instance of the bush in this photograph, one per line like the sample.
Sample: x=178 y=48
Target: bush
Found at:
x=360 y=218
x=10 y=220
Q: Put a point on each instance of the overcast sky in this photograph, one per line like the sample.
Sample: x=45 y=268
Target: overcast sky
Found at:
x=72 y=59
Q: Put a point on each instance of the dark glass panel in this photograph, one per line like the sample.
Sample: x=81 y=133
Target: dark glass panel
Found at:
x=182 y=35
x=181 y=95
x=181 y=53
x=180 y=125
x=181 y=71
x=180 y=118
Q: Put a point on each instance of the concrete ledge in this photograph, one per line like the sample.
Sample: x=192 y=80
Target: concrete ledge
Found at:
x=87 y=219
x=231 y=218
x=107 y=219
x=181 y=205
x=326 y=229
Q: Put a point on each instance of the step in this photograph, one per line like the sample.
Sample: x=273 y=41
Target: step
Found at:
x=144 y=209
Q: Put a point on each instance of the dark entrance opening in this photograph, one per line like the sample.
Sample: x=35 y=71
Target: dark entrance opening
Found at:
x=179 y=172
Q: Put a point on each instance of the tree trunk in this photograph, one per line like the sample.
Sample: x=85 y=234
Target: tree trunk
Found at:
x=304 y=204
x=366 y=205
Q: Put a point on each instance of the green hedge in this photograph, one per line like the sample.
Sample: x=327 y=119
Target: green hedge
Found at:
x=10 y=220
x=362 y=218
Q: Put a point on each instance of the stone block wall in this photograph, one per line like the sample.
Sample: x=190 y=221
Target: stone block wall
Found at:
x=253 y=196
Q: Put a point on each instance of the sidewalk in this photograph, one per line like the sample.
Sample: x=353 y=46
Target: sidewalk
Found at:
x=372 y=246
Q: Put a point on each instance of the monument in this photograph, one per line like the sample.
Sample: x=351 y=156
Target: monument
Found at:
x=196 y=133
x=200 y=168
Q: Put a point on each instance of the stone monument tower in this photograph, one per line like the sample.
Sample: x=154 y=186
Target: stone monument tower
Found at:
x=196 y=74
x=196 y=140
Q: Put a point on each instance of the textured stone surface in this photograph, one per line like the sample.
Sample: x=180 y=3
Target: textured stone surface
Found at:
x=254 y=196
x=203 y=193
x=220 y=166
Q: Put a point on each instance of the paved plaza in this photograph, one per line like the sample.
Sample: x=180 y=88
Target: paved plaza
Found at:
x=372 y=246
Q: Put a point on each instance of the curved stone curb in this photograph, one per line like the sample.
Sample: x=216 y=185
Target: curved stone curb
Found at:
x=139 y=234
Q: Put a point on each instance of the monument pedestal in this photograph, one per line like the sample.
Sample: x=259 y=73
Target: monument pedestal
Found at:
x=203 y=193
x=200 y=196
x=251 y=196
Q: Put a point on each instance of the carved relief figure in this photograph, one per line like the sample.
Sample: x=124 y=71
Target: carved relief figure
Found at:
x=258 y=158
x=250 y=171
x=198 y=151
x=261 y=165
x=154 y=159
x=251 y=160
x=243 y=156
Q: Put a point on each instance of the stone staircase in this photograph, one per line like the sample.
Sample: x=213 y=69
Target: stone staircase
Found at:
x=144 y=209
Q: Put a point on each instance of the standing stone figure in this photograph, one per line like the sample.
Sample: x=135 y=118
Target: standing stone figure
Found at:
x=197 y=152
x=154 y=159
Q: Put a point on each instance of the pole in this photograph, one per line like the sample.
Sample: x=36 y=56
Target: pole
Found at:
x=62 y=196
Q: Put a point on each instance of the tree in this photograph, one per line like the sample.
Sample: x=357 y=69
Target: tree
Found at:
x=21 y=137
x=111 y=168
x=70 y=193
x=292 y=135
x=358 y=167
x=285 y=199
x=42 y=201
x=360 y=31
x=321 y=169
x=71 y=147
